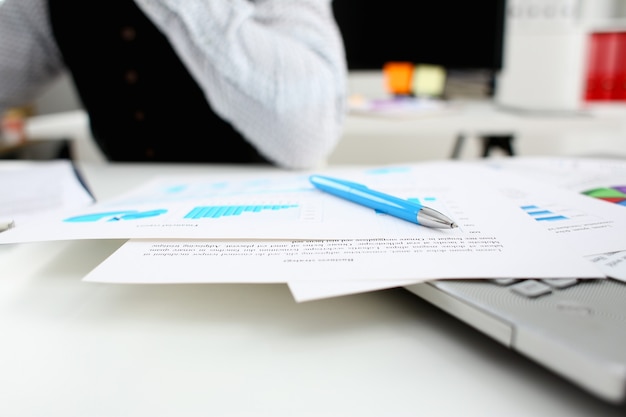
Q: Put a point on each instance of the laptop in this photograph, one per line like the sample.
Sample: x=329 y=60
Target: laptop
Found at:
x=576 y=328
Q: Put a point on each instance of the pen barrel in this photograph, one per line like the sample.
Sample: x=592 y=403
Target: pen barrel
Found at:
x=395 y=207
x=381 y=202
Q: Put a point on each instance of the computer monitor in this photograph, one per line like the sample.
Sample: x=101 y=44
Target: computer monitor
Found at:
x=457 y=35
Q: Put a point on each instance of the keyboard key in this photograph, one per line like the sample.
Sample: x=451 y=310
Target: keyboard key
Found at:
x=505 y=281
x=560 y=283
x=531 y=288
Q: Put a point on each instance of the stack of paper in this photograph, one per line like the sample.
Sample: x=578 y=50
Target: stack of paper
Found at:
x=279 y=228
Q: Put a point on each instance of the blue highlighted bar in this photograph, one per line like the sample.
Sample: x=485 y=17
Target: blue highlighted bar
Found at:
x=215 y=212
x=539 y=212
x=550 y=219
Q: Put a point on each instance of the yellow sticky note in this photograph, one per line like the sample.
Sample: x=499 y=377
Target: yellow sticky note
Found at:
x=429 y=80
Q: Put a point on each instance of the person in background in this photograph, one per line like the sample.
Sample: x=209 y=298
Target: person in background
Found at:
x=232 y=81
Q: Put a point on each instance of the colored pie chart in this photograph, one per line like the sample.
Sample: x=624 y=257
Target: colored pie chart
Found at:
x=616 y=195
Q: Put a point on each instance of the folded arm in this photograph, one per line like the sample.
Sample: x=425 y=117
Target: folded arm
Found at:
x=275 y=69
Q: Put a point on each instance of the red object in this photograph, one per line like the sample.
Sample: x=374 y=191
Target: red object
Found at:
x=619 y=92
x=606 y=67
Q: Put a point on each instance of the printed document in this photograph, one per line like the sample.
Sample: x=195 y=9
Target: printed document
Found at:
x=279 y=206
x=32 y=189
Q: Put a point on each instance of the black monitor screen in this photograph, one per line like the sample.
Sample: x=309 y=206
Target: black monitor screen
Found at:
x=461 y=34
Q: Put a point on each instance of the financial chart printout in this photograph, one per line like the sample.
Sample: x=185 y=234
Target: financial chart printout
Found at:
x=280 y=206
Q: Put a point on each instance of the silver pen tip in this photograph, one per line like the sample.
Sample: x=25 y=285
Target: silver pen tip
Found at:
x=432 y=218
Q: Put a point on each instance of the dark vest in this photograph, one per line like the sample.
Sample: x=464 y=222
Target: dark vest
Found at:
x=142 y=102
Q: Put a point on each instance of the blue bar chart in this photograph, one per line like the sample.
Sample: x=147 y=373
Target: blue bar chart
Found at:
x=542 y=214
x=216 y=212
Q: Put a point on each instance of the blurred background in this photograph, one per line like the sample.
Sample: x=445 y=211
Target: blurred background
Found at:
x=476 y=79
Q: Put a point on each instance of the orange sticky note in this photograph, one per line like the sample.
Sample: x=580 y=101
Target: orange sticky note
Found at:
x=399 y=77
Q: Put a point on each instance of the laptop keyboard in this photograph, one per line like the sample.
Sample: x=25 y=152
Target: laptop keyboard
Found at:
x=533 y=288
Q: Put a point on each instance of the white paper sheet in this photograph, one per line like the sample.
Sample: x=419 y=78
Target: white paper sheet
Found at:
x=410 y=259
x=612 y=264
x=31 y=189
x=582 y=175
x=279 y=206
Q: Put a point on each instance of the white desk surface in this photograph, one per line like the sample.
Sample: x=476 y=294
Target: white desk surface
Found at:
x=378 y=139
x=69 y=348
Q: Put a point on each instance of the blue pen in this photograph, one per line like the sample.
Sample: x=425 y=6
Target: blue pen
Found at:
x=384 y=203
